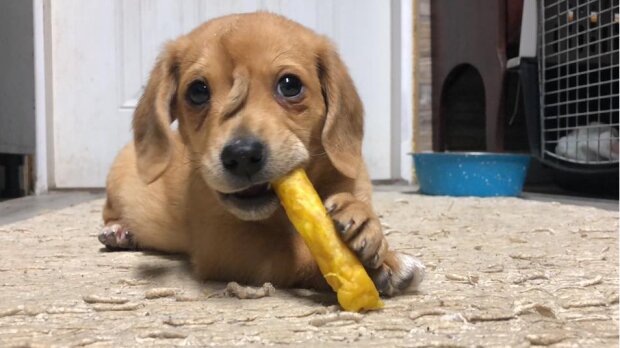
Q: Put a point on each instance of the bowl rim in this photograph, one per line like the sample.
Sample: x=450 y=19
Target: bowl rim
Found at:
x=470 y=154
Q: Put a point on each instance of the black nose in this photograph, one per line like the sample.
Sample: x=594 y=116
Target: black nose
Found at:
x=243 y=156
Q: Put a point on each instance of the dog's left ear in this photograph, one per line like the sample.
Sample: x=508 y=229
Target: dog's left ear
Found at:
x=344 y=123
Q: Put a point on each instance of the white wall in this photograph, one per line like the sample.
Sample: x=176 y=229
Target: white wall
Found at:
x=362 y=32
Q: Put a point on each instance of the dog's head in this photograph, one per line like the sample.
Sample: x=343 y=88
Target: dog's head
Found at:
x=256 y=96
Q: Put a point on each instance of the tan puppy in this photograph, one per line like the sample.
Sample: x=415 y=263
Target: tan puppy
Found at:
x=255 y=95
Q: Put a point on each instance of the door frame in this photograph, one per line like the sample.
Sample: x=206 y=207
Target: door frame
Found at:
x=403 y=63
x=43 y=157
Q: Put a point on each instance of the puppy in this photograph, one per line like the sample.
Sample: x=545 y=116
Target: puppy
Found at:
x=255 y=96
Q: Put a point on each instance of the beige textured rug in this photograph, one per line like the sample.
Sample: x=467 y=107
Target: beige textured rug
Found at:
x=500 y=272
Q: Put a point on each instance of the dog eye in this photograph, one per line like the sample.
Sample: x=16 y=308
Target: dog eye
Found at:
x=290 y=86
x=198 y=93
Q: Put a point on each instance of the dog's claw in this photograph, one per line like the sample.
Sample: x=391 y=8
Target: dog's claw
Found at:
x=347 y=227
x=362 y=246
x=331 y=208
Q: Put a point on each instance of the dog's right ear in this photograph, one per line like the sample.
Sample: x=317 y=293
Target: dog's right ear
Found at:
x=344 y=121
x=151 y=120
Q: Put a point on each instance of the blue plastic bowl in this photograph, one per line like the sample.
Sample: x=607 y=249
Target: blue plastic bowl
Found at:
x=471 y=173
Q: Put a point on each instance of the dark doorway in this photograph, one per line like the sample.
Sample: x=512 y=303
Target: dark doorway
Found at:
x=463 y=110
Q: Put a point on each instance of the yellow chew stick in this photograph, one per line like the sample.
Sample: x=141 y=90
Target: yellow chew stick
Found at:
x=337 y=263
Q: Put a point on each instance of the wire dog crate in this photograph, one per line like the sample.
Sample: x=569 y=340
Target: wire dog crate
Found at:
x=578 y=82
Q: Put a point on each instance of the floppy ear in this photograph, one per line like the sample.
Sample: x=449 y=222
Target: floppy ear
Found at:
x=152 y=118
x=344 y=122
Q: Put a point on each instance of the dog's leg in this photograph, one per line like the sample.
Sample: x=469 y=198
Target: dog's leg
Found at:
x=360 y=228
x=155 y=231
x=114 y=235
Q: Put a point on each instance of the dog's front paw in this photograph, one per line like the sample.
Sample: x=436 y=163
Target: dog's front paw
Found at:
x=359 y=227
x=117 y=237
x=398 y=274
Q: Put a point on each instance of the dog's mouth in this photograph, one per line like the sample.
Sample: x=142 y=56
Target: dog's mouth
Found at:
x=252 y=203
x=252 y=192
